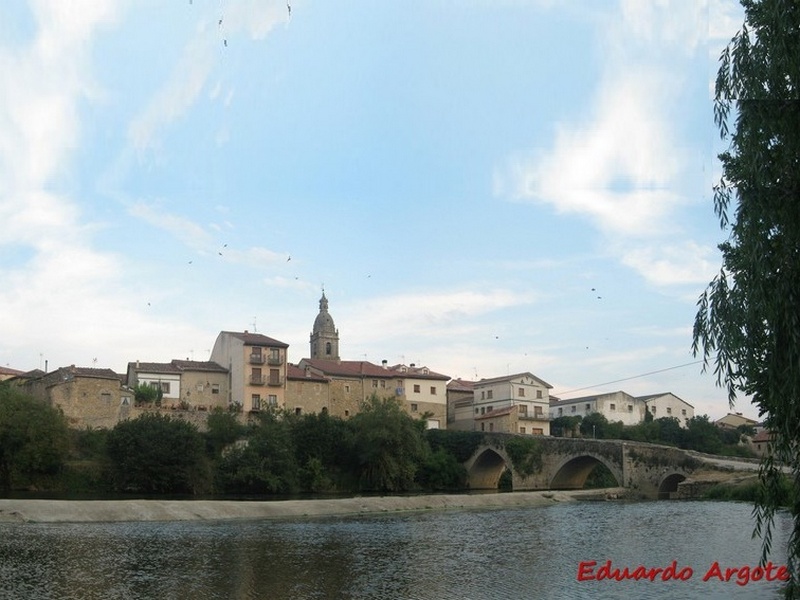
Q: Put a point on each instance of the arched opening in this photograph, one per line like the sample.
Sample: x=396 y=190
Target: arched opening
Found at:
x=669 y=486
x=506 y=481
x=584 y=472
x=486 y=471
x=327 y=348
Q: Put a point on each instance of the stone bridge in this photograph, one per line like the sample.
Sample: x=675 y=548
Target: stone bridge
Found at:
x=648 y=470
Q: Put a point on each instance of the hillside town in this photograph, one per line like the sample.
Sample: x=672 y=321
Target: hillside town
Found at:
x=250 y=372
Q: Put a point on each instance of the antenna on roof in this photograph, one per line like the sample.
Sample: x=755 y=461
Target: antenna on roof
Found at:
x=255 y=329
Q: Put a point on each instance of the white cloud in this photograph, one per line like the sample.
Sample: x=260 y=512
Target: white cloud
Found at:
x=185 y=230
x=624 y=166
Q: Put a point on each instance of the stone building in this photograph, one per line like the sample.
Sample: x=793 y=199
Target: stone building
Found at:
x=185 y=384
x=256 y=367
x=88 y=397
x=307 y=391
x=460 y=395
x=7 y=373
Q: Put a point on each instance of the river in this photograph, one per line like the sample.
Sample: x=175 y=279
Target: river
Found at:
x=535 y=552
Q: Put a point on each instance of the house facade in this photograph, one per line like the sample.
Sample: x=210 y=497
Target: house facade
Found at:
x=256 y=366
x=88 y=397
x=511 y=404
x=459 y=404
x=614 y=406
x=184 y=384
x=668 y=405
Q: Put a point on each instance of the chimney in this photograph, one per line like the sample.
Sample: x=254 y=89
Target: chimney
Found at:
x=412 y=365
x=385 y=363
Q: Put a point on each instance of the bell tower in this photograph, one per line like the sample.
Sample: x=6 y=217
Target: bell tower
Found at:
x=324 y=336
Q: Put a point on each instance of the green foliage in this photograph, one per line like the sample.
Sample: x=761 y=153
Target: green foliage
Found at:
x=565 y=426
x=388 y=446
x=600 y=477
x=460 y=444
x=525 y=454
x=265 y=463
x=223 y=429
x=33 y=439
x=596 y=425
x=440 y=470
x=747 y=324
x=147 y=394
x=157 y=454
x=324 y=451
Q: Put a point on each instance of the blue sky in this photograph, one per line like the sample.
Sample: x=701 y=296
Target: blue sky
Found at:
x=481 y=187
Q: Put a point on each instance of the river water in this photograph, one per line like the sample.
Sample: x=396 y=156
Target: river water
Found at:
x=461 y=554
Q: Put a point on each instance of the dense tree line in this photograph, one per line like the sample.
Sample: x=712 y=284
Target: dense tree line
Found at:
x=700 y=433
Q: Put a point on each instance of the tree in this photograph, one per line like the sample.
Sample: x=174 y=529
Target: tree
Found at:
x=157 y=454
x=389 y=445
x=747 y=322
x=33 y=438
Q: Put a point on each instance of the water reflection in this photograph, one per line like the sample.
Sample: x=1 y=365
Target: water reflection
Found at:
x=514 y=553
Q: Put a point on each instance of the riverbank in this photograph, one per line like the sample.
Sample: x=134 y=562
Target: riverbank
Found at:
x=108 y=511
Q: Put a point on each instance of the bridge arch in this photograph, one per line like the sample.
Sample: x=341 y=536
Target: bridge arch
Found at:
x=486 y=467
x=669 y=485
x=572 y=473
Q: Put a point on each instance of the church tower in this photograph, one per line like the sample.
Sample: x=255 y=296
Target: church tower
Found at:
x=324 y=337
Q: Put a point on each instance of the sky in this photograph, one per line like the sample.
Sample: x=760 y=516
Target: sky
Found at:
x=484 y=187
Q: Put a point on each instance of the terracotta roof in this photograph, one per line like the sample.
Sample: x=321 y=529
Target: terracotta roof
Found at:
x=198 y=365
x=9 y=371
x=152 y=367
x=461 y=385
x=363 y=368
x=296 y=373
x=510 y=377
x=256 y=339
x=762 y=436
x=501 y=412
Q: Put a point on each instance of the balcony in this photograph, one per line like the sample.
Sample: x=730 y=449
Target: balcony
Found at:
x=257 y=380
x=275 y=360
x=257 y=359
x=534 y=417
x=275 y=381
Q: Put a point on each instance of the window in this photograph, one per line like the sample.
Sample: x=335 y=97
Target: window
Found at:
x=489 y=395
x=200 y=387
x=483 y=426
x=483 y=410
x=669 y=411
x=383 y=383
x=539 y=394
x=489 y=409
x=328 y=348
x=433 y=390
x=298 y=410
x=521 y=391
x=523 y=410
x=105 y=397
x=413 y=407
x=215 y=388
x=255 y=401
x=537 y=431
x=588 y=407
x=491 y=426
x=273 y=400
x=347 y=388
x=346 y=413
x=573 y=409
x=560 y=412
x=160 y=385
x=537 y=411
x=416 y=388
x=630 y=407
x=375 y=383
x=522 y=430
x=483 y=395
x=476 y=411
x=324 y=410
x=683 y=412
x=612 y=406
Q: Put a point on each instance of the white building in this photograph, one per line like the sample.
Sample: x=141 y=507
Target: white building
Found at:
x=512 y=404
x=668 y=405
x=614 y=406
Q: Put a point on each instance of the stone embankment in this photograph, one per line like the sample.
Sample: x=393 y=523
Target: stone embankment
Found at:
x=106 y=511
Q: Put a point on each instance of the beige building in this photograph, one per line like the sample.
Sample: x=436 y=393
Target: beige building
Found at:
x=459 y=404
x=614 y=406
x=307 y=391
x=421 y=392
x=668 y=405
x=256 y=367
x=7 y=373
x=88 y=397
x=734 y=420
x=184 y=384
x=512 y=404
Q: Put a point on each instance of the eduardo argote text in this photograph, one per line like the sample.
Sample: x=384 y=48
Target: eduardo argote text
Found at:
x=589 y=570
